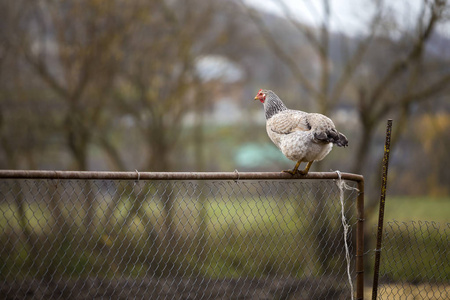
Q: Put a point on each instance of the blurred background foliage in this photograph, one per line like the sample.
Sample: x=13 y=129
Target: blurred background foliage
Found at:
x=168 y=86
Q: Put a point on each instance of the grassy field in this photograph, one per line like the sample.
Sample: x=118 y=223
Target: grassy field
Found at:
x=405 y=209
x=412 y=208
x=402 y=209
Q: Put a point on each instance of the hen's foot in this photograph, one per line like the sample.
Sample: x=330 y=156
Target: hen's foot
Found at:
x=292 y=172
x=303 y=172
x=297 y=171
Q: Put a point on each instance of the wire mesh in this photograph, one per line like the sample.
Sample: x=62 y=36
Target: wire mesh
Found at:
x=415 y=261
x=174 y=239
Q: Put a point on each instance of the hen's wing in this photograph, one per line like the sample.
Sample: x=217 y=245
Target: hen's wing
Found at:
x=322 y=127
x=289 y=121
x=325 y=131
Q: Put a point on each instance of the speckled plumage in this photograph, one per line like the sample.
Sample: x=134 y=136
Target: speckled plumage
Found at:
x=301 y=136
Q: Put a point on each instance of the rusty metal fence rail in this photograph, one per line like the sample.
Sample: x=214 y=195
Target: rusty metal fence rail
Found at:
x=86 y=235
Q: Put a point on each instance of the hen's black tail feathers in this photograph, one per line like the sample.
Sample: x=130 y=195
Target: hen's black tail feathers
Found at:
x=332 y=136
x=342 y=141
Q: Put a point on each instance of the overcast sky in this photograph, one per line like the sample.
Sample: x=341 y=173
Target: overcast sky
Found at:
x=348 y=16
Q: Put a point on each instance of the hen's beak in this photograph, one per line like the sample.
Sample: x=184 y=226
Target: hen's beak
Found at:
x=256 y=98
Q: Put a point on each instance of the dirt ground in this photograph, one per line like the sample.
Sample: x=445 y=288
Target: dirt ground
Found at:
x=177 y=289
x=405 y=290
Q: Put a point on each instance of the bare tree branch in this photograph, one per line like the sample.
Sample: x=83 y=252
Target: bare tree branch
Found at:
x=402 y=64
x=281 y=54
x=303 y=29
x=353 y=62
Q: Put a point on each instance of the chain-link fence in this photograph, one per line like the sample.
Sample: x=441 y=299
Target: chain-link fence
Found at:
x=415 y=261
x=178 y=239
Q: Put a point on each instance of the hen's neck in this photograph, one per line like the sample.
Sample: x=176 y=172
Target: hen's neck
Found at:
x=273 y=105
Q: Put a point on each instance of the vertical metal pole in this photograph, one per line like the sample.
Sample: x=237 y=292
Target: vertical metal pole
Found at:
x=387 y=146
x=360 y=242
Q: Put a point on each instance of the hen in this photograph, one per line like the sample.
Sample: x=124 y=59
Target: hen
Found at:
x=301 y=136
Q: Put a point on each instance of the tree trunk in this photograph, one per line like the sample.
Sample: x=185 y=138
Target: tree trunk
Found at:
x=363 y=148
x=199 y=138
x=78 y=136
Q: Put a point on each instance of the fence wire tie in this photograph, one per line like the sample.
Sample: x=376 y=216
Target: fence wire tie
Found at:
x=342 y=185
x=139 y=176
x=238 y=176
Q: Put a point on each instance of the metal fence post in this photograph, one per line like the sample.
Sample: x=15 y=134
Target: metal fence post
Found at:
x=387 y=147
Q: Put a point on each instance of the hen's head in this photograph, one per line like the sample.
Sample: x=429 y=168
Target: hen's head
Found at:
x=261 y=96
x=272 y=103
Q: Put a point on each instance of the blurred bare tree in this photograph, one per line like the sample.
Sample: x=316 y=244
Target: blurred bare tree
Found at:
x=22 y=103
x=159 y=84
x=75 y=48
x=99 y=62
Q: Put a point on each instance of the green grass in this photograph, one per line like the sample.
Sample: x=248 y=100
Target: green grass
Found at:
x=416 y=208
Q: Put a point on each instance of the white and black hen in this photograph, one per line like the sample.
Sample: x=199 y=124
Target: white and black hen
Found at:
x=301 y=136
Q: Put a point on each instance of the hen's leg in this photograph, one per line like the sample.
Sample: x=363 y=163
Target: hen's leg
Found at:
x=306 y=170
x=295 y=170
